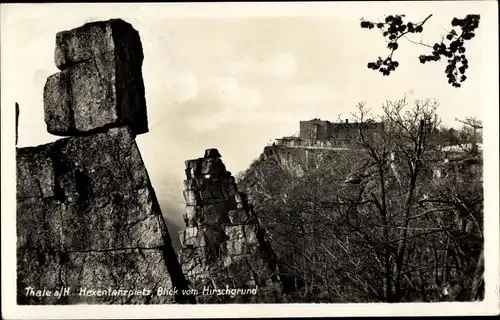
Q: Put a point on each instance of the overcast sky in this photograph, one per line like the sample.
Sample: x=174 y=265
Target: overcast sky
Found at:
x=235 y=76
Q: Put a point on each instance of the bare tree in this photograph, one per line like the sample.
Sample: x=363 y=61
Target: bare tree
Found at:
x=376 y=223
x=471 y=133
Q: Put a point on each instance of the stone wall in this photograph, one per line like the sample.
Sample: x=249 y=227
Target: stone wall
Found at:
x=223 y=245
x=346 y=134
x=87 y=214
x=313 y=130
x=339 y=134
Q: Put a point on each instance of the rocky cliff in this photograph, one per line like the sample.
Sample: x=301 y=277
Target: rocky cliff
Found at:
x=296 y=161
x=89 y=225
x=224 y=245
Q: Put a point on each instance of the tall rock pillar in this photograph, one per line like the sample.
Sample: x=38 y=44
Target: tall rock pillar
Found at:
x=223 y=246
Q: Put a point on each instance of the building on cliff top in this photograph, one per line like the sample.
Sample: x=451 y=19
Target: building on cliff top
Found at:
x=317 y=132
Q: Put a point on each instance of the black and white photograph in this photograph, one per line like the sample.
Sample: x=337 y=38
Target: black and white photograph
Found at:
x=250 y=159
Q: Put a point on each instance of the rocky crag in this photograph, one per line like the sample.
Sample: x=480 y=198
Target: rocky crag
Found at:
x=87 y=215
x=224 y=245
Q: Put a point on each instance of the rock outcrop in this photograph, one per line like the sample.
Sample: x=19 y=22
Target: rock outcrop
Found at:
x=223 y=246
x=100 y=84
x=17 y=122
x=88 y=221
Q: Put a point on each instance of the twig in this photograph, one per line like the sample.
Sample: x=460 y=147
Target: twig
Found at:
x=419 y=43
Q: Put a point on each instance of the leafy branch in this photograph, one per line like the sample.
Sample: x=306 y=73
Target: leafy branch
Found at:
x=394 y=28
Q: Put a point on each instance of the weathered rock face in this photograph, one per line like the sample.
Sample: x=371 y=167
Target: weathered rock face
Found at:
x=224 y=245
x=88 y=221
x=17 y=121
x=100 y=85
x=88 y=218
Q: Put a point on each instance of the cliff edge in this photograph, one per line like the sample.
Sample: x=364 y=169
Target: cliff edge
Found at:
x=89 y=226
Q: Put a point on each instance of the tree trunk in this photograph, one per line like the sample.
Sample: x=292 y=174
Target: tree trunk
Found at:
x=477 y=292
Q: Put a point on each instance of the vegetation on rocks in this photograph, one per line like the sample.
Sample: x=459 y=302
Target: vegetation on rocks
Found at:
x=398 y=217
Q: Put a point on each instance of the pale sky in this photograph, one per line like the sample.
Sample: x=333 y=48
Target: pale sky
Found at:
x=234 y=76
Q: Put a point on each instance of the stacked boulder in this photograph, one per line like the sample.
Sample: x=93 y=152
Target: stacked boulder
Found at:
x=100 y=84
x=88 y=222
x=223 y=246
